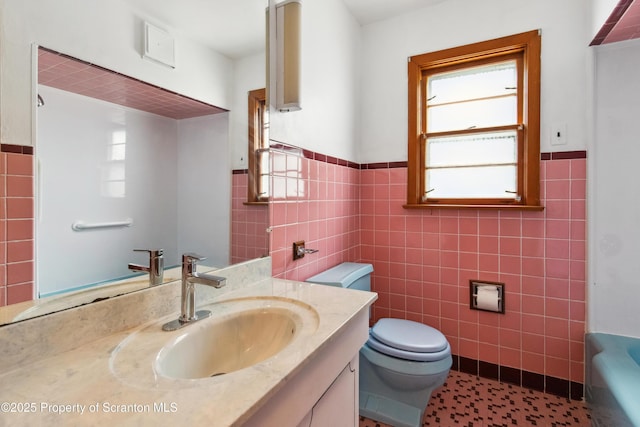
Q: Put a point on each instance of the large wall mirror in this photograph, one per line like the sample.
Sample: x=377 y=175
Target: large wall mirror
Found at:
x=129 y=153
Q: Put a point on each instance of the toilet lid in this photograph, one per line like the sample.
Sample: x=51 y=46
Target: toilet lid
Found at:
x=409 y=336
x=408 y=355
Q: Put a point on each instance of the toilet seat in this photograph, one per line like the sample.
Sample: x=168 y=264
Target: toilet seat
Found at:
x=408 y=340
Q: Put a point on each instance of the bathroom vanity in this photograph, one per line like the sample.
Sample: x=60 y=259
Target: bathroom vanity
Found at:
x=109 y=363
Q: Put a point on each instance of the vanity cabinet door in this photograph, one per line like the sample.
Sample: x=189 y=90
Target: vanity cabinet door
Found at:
x=338 y=406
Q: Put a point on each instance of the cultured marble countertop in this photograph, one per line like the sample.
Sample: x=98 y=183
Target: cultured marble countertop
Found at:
x=38 y=307
x=82 y=386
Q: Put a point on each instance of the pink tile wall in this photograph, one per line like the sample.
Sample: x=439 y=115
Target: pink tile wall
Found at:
x=16 y=226
x=318 y=202
x=424 y=259
x=249 y=223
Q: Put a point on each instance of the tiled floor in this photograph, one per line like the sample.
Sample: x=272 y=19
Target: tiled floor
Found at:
x=466 y=400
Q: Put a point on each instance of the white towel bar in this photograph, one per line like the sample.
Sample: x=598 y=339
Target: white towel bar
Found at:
x=82 y=226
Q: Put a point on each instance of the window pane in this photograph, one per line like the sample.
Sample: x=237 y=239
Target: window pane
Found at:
x=472 y=149
x=264 y=119
x=262 y=171
x=473 y=97
x=113 y=180
x=473 y=83
x=117 y=152
x=472 y=182
x=473 y=114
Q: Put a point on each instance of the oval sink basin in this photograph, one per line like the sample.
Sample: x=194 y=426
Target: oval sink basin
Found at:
x=241 y=333
x=226 y=345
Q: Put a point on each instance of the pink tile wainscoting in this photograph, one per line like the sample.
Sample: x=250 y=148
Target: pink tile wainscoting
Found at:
x=423 y=260
x=317 y=201
x=249 y=223
x=16 y=224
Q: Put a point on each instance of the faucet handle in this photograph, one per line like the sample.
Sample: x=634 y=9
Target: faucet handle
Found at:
x=189 y=261
x=152 y=252
x=191 y=257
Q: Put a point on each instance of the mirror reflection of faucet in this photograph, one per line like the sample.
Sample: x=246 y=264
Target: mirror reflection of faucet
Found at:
x=190 y=277
x=155 y=268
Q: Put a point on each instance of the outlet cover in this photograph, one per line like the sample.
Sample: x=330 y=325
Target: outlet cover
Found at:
x=559 y=134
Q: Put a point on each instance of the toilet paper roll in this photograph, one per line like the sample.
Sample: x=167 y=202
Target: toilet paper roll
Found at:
x=488 y=298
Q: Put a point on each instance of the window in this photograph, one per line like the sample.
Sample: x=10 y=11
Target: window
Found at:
x=474 y=125
x=113 y=171
x=258 y=148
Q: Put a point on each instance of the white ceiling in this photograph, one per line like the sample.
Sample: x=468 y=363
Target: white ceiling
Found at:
x=235 y=28
x=368 y=11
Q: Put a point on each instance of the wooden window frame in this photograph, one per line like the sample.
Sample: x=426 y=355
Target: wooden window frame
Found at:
x=256 y=107
x=525 y=46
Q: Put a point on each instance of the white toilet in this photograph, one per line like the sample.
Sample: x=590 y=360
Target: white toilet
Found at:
x=401 y=363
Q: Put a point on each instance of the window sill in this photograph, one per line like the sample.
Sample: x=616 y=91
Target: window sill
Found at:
x=255 y=203
x=482 y=207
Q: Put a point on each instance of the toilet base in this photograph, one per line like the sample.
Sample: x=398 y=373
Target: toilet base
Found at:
x=396 y=391
x=388 y=411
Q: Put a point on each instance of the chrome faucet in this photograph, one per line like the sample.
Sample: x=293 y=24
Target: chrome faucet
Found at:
x=155 y=268
x=190 y=277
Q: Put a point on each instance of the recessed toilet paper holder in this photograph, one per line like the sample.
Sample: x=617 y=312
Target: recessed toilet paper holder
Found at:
x=486 y=296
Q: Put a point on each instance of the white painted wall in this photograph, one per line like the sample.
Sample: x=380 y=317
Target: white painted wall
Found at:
x=328 y=122
x=601 y=9
x=204 y=189
x=386 y=45
x=248 y=74
x=176 y=175
x=614 y=291
x=108 y=34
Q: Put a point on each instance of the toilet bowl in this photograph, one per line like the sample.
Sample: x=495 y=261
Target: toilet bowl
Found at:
x=401 y=363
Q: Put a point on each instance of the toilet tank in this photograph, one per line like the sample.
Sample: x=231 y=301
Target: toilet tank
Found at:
x=350 y=275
